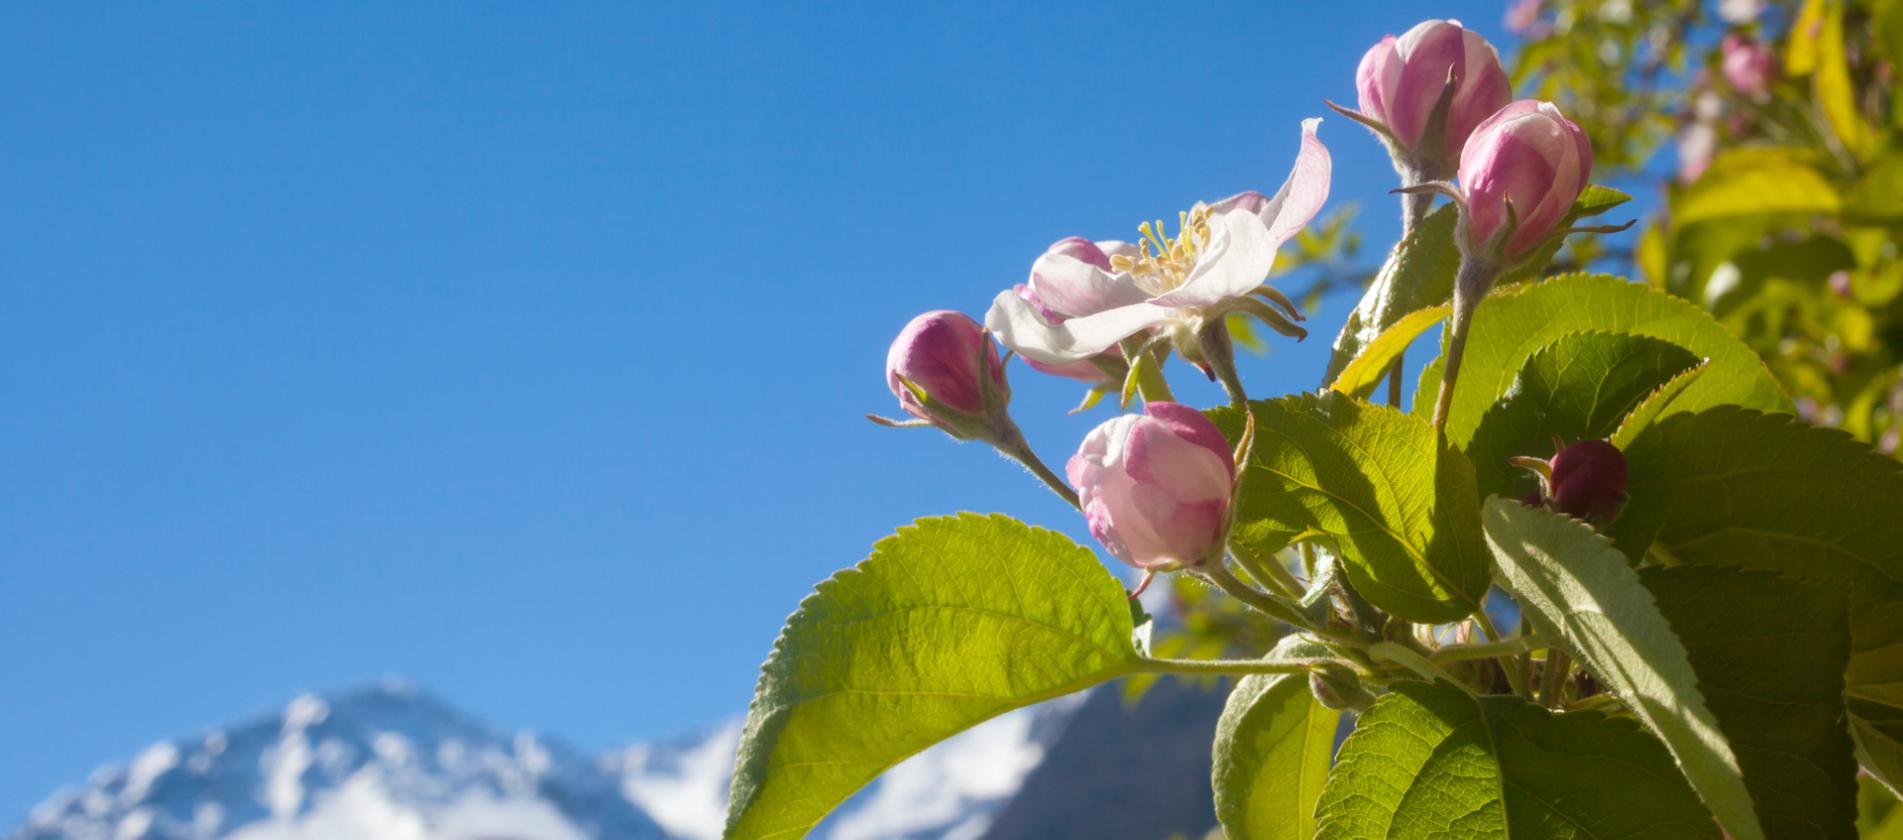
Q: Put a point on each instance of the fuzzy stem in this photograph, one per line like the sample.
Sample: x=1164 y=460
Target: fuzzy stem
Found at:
x=1484 y=650
x=1274 y=607
x=1470 y=285
x=1219 y=352
x=1414 y=206
x=1228 y=666
x=1013 y=445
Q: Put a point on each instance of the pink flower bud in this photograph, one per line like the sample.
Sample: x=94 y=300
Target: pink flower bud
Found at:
x=1589 y=480
x=941 y=352
x=1527 y=155
x=1400 y=81
x=1746 y=64
x=1156 y=487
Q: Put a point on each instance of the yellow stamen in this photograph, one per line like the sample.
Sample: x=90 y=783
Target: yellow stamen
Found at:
x=1162 y=262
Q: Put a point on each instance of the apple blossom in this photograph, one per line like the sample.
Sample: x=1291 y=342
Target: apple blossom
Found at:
x=1156 y=487
x=1747 y=65
x=1527 y=157
x=1170 y=284
x=945 y=371
x=1401 y=84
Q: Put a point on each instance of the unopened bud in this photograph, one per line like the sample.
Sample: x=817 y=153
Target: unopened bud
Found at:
x=1527 y=157
x=1401 y=83
x=944 y=370
x=1156 y=487
x=1589 y=480
x=1338 y=688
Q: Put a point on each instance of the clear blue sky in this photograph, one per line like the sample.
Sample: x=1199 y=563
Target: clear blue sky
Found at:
x=522 y=351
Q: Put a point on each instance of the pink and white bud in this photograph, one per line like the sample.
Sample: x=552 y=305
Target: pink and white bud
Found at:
x=1747 y=65
x=1528 y=155
x=1523 y=17
x=949 y=357
x=1156 y=487
x=1400 y=82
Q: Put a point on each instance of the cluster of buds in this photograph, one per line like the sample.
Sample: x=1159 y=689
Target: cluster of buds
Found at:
x=1158 y=488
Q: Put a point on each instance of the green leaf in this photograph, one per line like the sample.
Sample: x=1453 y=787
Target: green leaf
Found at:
x=950 y=622
x=1511 y=325
x=1836 y=93
x=1653 y=407
x=1731 y=486
x=1583 y=596
x=1595 y=200
x=1755 y=181
x=1361 y=376
x=1273 y=746
x=1578 y=387
x=1877 y=197
x=1397 y=503
x=1770 y=654
x=1873 y=685
x=1418 y=274
x=1431 y=761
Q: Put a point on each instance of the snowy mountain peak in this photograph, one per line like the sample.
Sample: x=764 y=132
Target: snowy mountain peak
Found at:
x=388 y=761
x=392 y=762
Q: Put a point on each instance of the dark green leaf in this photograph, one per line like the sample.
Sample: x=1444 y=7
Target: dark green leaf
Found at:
x=1873 y=686
x=1731 y=486
x=1770 y=654
x=1578 y=387
x=950 y=622
x=1583 y=596
x=1396 y=502
x=1431 y=761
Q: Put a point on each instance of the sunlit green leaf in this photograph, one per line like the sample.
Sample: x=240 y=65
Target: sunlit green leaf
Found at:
x=1511 y=325
x=1273 y=746
x=1431 y=761
x=1756 y=181
x=950 y=622
x=1362 y=375
x=1397 y=503
x=1581 y=594
x=1836 y=93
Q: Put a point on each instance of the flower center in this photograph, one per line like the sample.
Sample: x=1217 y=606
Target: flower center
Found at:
x=1163 y=262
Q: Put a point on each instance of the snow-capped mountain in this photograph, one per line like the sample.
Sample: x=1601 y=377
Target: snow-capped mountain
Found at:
x=394 y=763
x=388 y=762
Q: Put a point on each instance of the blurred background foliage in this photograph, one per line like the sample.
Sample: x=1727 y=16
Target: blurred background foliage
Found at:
x=1768 y=137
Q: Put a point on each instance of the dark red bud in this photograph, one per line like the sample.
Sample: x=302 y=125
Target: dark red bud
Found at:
x=1589 y=480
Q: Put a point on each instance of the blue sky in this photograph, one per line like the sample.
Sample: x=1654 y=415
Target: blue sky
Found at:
x=521 y=351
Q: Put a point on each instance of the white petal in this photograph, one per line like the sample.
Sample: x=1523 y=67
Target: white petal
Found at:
x=1306 y=189
x=1071 y=287
x=1236 y=259
x=1019 y=326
